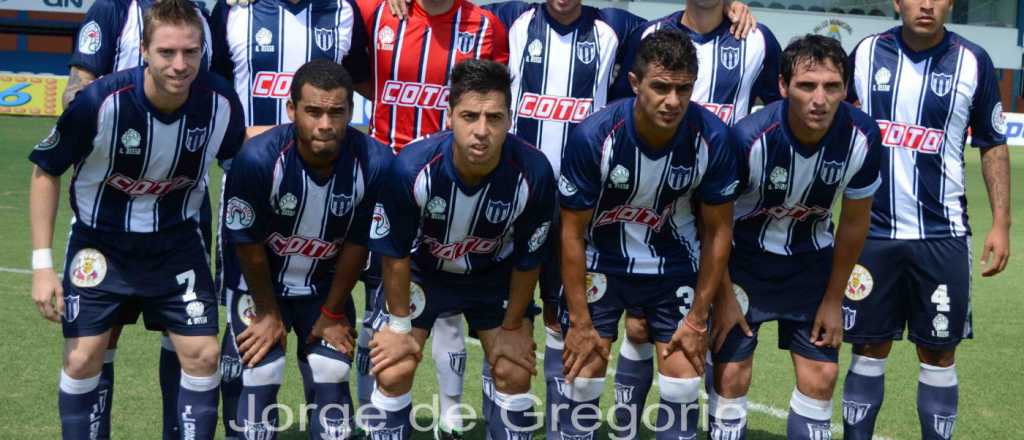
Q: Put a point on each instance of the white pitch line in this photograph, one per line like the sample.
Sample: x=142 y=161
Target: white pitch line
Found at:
x=15 y=270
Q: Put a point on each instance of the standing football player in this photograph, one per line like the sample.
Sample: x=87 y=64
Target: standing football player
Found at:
x=630 y=175
x=141 y=141
x=297 y=211
x=925 y=86
x=462 y=225
x=801 y=155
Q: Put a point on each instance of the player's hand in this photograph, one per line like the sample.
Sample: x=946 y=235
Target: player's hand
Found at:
x=266 y=331
x=997 y=251
x=515 y=346
x=727 y=314
x=339 y=334
x=828 y=325
x=399 y=8
x=389 y=347
x=691 y=343
x=242 y=3
x=742 y=20
x=48 y=294
x=581 y=343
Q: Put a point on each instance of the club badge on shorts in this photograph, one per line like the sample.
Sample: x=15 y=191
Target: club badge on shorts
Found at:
x=88 y=268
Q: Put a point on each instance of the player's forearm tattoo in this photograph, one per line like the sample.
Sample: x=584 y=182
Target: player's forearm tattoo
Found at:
x=995 y=168
x=77 y=80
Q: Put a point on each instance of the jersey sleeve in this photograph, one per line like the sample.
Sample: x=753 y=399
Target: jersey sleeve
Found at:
x=851 y=68
x=507 y=12
x=235 y=135
x=625 y=58
x=621 y=21
x=580 y=182
x=96 y=42
x=357 y=60
x=247 y=208
x=767 y=84
x=221 y=63
x=533 y=227
x=378 y=159
x=721 y=178
x=396 y=217
x=867 y=179
x=71 y=139
x=988 y=126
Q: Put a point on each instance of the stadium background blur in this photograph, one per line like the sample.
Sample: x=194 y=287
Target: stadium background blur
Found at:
x=37 y=37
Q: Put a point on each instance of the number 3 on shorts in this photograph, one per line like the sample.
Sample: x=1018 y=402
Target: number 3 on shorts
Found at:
x=188 y=278
x=686 y=294
x=941 y=298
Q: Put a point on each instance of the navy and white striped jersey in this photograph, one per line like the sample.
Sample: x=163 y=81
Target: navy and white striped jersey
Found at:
x=459 y=233
x=924 y=102
x=136 y=169
x=260 y=47
x=110 y=40
x=642 y=198
x=302 y=219
x=785 y=202
x=561 y=73
x=731 y=72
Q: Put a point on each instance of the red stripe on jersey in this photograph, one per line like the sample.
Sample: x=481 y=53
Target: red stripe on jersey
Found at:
x=413 y=58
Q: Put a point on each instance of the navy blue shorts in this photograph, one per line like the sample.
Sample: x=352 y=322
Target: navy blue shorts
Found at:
x=664 y=301
x=298 y=312
x=110 y=278
x=551 y=269
x=371 y=282
x=923 y=285
x=483 y=306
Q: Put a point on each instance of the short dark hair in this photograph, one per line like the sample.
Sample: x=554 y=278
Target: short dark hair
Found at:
x=813 y=49
x=179 y=12
x=668 y=48
x=323 y=74
x=480 y=76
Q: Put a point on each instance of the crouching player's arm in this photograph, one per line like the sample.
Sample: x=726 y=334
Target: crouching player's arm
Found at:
x=332 y=325
x=581 y=339
x=394 y=342
x=266 y=329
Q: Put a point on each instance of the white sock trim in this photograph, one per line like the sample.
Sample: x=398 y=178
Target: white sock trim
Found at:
x=109 y=355
x=678 y=389
x=553 y=339
x=71 y=385
x=867 y=366
x=166 y=344
x=941 y=377
x=724 y=408
x=200 y=384
x=636 y=352
x=388 y=403
x=811 y=408
x=585 y=389
x=513 y=402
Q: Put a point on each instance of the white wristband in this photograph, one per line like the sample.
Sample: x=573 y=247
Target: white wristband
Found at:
x=400 y=324
x=42 y=259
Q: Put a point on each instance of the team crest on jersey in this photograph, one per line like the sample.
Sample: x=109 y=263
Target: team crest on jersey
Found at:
x=941 y=83
x=566 y=187
x=619 y=177
x=259 y=430
x=943 y=425
x=678 y=176
x=436 y=208
x=51 y=140
x=586 y=51
x=998 y=119
x=623 y=393
x=596 y=285
x=71 y=307
x=130 y=141
x=778 y=179
x=324 y=38
x=940 y=326
x=741 y=298
x=88 y=268
x=286 y=205
x=729 y=56
x=854 y=412
x=860 y=283
x=386 y=38
x=831 y=172
x=849 y=318
x=534 y=51
x=539 y=236
x=341 y=204
x=496 y=211
x=245 y=309
x=819 y=431
x=90 y=38
x=457 y=362
x=230 y=368
x=882 y=78
x=380 y=225
x=465 y=42
x=264 y=40
x=195 y=138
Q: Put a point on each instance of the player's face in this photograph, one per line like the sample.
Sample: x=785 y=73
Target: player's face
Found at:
x=923 y=18
x=814 y=92
x=174 y=54
x=564 y=7
x=320 y=119
x=663 y=95
x=480 y=122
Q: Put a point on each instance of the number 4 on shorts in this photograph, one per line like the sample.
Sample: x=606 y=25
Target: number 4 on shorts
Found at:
x=941 y=298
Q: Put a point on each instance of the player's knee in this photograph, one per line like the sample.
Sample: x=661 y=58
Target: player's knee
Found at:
x=510 y=377
x=201 y=359
x=878 y=350
x=817 y=380
x=636 y=330
x=396 y=376
x=80 y=363
x=732 y=379
x=328 y=369
x=265 y=373
x=937 y=358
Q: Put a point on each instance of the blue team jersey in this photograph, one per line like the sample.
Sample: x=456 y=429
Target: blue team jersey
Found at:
x=731 y=72
x=458 y=233
x=260 y=47
x=787 y=191
x=136 y=169
x=924 y=102
x=301 y=218
x=561 y=73
x=643 y=221
x=110 y=39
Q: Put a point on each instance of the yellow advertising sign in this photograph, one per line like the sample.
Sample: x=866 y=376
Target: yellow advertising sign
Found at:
x=31 y=95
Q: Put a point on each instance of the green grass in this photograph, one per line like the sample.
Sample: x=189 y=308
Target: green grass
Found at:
x=30 y=360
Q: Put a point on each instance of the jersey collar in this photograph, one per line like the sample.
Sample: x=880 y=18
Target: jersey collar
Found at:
x=924 y=54
x=698 y=38
x=417 y=11
x=449 y=164
x=586 y=17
